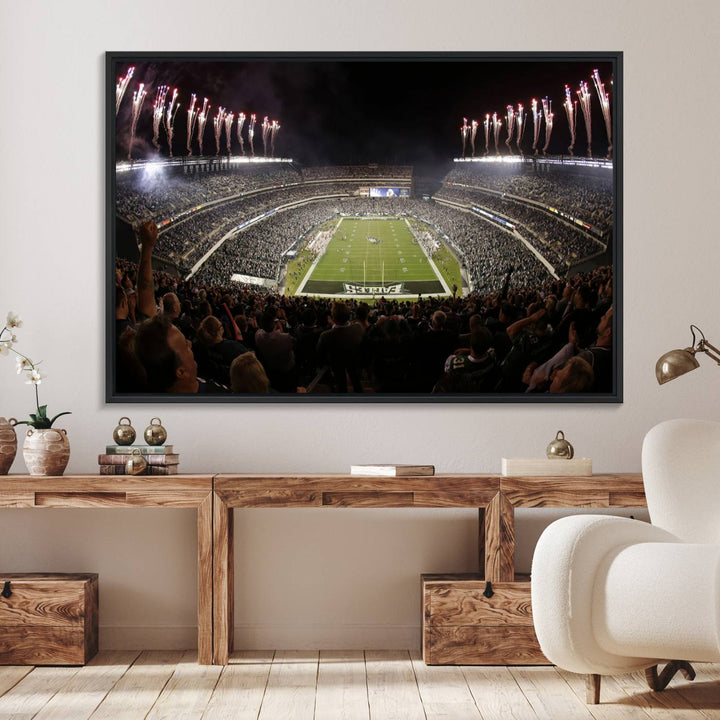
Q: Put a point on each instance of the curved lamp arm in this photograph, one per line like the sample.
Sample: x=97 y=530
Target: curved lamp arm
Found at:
x=677 y=362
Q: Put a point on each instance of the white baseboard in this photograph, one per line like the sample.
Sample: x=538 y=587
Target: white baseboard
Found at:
x=266 y=637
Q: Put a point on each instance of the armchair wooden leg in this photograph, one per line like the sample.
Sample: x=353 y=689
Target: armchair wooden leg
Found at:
x=660 y=682
x=592 y=689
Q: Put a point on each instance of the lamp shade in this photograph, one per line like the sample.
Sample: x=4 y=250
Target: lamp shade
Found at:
x=675 y=363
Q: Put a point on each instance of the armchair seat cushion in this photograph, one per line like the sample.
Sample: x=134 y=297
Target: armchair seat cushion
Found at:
x=565 y=564
x=659 y=600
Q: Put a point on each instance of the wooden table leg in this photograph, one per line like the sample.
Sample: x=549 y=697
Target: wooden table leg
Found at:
x=499 y=518
x=205 y=579
x=223 y=581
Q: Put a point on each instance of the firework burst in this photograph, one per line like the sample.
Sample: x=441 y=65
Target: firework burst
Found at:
x=274 y=128
x=251 y=133
x=537 y=121
x=520 y=124
x=604 y=98
x=158 y=112
x=585 y=105
x=510 y=115
x=218 y=123
x=549 y=117
x=191 y=120
x=464 y=130
x=229 y=119
x=571 y=112
x=240 y=123
x=138 y=99
x=121 y=87
x=169 y=119
x=201 y=121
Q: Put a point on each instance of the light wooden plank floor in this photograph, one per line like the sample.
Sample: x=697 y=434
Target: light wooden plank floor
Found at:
x=346 y=685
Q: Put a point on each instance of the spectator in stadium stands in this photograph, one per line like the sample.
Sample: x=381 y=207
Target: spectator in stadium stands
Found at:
x=213 y=352
x=531 y=342
x=172 y=307
x=432 y=349
x=390 y=344
x=307 y=333
x=276 y=351
x=575 y=376
x=580 y=312
x=247 y=375
x=475 y=371
x=463 y=340
x=599 y=354
x=166 y=357
x=146 y=307
x=122 y=312
x=339 y=348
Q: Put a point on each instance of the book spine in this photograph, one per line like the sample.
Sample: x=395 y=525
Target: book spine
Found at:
x=162 y=470
x=144 y=449
x=149 y=470
x=173 y=459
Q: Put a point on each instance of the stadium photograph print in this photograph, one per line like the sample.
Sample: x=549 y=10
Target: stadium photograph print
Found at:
x=364 y=227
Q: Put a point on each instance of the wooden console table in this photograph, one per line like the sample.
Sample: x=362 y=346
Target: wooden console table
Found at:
x=92 y=491
x=215 y=498
x=495 y=497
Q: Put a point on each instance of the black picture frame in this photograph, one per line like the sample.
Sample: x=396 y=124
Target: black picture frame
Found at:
x=427 y=65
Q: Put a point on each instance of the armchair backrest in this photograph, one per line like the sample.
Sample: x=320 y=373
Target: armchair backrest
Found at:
x=681 y=472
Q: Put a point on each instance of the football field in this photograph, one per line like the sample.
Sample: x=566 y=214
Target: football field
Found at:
x=373 y=256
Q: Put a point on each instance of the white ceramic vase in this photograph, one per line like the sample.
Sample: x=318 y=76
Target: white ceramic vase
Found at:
x=46 y=451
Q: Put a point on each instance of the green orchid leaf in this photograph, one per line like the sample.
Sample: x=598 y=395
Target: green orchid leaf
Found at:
x=67 y=412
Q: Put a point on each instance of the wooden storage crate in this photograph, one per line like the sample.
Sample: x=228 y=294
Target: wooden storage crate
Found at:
x=461 y=626
x=48 y=618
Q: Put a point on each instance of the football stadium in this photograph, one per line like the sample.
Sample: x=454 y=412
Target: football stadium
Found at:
x=483 y=269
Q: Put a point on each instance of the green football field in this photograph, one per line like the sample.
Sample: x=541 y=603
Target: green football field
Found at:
x=372 y=256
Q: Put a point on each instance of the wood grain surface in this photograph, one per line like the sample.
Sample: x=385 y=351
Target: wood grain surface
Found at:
x=463 y=603
x=503 y=645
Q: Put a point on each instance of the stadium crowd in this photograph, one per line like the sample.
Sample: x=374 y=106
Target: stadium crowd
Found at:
x=565 y=191
x=556 y=240
x=518 y=330
x=192 y=336
x=360 y=172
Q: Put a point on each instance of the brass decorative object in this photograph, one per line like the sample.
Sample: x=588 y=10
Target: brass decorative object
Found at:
x=136 y=463
x=560 y=448
x=124 y=433
x=155 y=433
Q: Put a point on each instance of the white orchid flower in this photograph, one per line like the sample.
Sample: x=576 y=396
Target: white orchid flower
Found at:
x=23 y=364
x=5 y=346
x=13 y=320
x=35 y=377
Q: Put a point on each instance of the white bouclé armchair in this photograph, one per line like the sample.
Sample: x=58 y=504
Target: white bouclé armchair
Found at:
x=613 y=595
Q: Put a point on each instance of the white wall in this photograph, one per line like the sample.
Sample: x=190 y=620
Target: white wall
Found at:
x=319 y=577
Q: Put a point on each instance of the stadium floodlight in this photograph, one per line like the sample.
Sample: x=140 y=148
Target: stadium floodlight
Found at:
x=678 y=362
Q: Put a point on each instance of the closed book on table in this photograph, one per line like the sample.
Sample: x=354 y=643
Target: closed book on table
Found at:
x=149 y=470
x=392 y=470
x=144 y=449
x=109 y=459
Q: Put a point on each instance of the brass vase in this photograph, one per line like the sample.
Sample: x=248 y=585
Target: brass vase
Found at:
x=8 y=444
x=46 y=451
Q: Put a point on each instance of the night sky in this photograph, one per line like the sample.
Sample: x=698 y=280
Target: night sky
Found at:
x=390 y=110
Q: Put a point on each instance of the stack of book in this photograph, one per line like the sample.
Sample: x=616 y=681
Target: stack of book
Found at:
x=160 y=459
